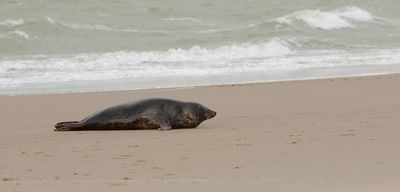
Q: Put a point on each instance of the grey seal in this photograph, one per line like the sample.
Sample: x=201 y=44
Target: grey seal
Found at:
x=162 y=114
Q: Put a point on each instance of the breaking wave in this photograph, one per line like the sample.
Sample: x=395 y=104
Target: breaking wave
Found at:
x=328 y=20
x=275 y=56
x=116 y=65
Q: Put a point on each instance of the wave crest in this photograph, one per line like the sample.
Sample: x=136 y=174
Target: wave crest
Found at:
x=21 y=34
x=328 y=20
x=12 y=22
x=82 y=26
x=118 y=65
x=191 y=19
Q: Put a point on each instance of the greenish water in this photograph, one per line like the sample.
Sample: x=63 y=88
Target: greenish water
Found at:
x=53 y=46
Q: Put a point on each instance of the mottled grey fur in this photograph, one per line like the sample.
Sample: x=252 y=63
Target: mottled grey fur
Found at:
x=162 y=114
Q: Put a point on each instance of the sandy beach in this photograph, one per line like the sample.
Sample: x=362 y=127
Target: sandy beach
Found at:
x=325 y=135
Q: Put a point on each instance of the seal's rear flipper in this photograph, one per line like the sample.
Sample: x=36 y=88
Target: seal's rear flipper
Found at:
x=68 y=126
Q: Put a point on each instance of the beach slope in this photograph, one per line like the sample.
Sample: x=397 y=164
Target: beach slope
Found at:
x=337 y=134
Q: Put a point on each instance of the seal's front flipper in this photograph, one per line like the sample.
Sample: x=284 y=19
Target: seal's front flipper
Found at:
x=68 y=126
x=164 y=126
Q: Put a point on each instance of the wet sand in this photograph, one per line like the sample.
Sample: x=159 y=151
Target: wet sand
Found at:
x=337 y=134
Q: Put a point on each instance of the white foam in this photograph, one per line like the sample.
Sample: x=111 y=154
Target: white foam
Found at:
x=12 y=22
x=220 y=30
x=273 y=48
x=328 y=20
x=355 y=13
x=83 y=26
x=118 y=65
x=87 y=26
x=96 y=27
x=21 y=34
x=50 y=20
x=269 y=58
x=191 y=19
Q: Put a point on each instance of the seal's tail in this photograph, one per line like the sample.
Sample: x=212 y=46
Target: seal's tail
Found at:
x=68 y=126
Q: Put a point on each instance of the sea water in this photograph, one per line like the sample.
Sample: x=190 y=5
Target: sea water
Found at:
x=96 y=45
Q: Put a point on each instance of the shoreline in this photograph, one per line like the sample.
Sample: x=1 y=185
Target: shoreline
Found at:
x=337 y=134
x=206 y=85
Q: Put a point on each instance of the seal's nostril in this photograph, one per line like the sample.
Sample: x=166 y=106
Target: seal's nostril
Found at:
x=212 y=114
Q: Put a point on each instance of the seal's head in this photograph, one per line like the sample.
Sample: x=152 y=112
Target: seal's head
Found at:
x=192 y=115
x=205 y=113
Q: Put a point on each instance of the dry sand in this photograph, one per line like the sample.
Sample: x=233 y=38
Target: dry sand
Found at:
x=316 y=135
